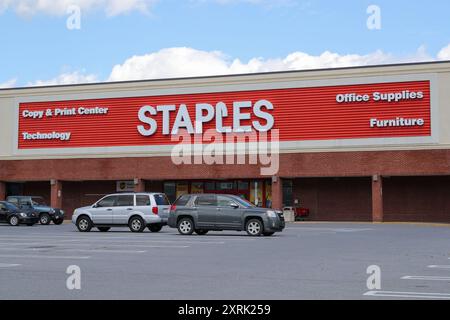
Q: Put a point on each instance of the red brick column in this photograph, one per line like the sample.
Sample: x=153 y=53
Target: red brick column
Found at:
x=377 y=198
x=56 y=194
x=2 y=191
x=139 y=185
x=277 y=193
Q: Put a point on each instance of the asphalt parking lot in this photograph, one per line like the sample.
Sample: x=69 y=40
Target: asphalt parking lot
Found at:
x=306 y=261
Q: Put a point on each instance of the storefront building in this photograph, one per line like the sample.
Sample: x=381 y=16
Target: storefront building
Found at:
x=352 y=144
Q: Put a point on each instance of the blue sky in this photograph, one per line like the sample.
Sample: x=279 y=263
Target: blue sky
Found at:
x=212 y=36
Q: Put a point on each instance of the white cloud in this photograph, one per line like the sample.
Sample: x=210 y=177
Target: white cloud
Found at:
x=59 y=7
x=183 y=62
x=8 y=84
x=189 y=62
x=444 y=54
x=75 y=77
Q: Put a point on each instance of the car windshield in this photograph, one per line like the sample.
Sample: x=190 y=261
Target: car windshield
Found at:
x=244 y=203
x=37 y=201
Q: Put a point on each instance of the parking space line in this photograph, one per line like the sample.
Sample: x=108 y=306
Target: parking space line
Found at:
x=9 y=265
x=426 y=278
x=73 y=250
x=411 y=295
x=112 y=242
x=103 y=250
x=43 y=257
x=149 y=238
x=106 y=245
x=439 y=267
x=334 y=229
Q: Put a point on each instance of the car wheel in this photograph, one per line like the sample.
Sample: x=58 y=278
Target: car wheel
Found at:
x=104 y=229
x=186 y=226
x=44 y=219
x=254 y=227
x=58 y=222
x=268 y=234
x=84 y=224
x=14 y=221
x=155 y=228
x=201 y=232
x=136 y=224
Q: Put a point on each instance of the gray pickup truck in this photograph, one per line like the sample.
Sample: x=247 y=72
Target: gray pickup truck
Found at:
x=201 y=213
x=38 y=206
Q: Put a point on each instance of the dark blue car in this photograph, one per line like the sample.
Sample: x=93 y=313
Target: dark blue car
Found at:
x=11 y=214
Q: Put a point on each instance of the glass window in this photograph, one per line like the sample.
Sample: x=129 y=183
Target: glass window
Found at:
x=210 y=186
x=207 y=200
x=225 y=186
x=2 y=207
x=225 y=201
x=182 y=188
x=288 y=193
x=245 y=203
x=170 y=189
x=38 y=201
x=125 y=201
x=107 y=202
x=142 y=201
x=161 y=200
x=243 y=185
x=197 y=187
x=183 y=200
x=13 y=200
x=27 y=202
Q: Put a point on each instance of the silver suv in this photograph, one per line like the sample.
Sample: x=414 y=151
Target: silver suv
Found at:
x=135 y=210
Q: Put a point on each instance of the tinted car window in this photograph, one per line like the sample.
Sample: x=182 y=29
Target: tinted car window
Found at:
x=206 y=201
x=107 y=202
x=2 y=206
x=25 y=202
x=183 y=200
x=224 y=201
x=142 y=201
x=244 y=203
x=161 y=200
x=125 y=201
x=38 y=201
x=13 y=200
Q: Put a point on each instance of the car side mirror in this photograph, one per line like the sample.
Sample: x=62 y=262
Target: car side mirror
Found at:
x=234 y=205
x=95 y=206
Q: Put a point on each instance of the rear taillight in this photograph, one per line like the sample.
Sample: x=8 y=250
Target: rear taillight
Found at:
x=155 y=210
x=173 y=208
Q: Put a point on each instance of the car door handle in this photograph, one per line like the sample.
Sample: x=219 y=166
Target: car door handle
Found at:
x=129 y=209
x=108 y=209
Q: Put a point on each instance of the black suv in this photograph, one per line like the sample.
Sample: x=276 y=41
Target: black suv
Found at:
x=9 y=213
x=37 y=205
x=201 y=213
